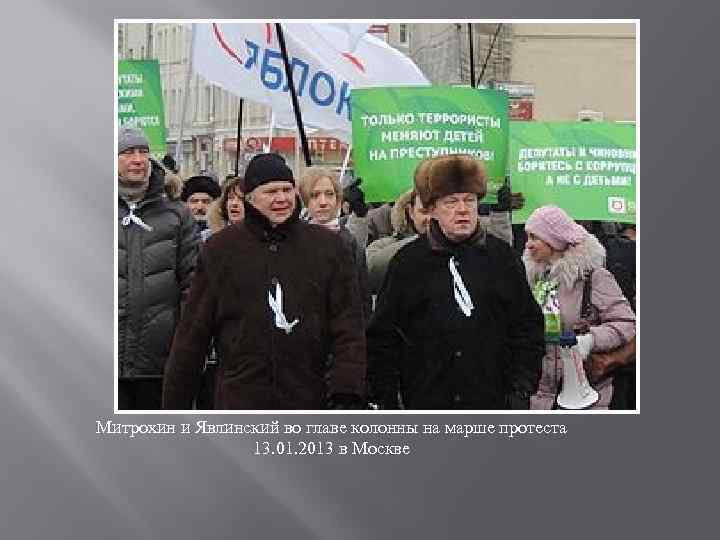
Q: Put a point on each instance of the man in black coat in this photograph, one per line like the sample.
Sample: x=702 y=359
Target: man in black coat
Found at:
x=157 y=248
x=456 y=326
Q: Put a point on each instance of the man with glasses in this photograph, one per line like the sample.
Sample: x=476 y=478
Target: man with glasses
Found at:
x=456 y=326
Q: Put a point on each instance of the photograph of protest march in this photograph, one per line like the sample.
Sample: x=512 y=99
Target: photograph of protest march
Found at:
x=376 y=216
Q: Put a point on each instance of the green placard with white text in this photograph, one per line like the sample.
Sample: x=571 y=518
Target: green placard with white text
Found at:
x=586 y=168
x=140 y=101
x=394 y=129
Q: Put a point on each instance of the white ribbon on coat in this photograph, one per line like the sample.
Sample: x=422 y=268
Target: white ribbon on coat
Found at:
x=132 y=218
x=462 y=296
x=276 y=304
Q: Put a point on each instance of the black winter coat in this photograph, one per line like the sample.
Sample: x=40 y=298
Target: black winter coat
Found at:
x=262 y=366
x=620 y=261
x=154 y=272
x=421 y=345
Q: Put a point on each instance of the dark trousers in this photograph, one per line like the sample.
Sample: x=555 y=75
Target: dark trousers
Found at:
x=139 y=394
x=624 y=389
x=205 y=399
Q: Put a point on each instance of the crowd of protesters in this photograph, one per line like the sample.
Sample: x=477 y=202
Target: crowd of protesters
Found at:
x=276 y=292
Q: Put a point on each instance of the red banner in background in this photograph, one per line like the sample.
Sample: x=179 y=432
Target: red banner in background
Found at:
x=329 y=144
x=521 y=109
x=286 y=145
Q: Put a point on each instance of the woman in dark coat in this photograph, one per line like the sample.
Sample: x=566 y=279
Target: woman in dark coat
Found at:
x=322 y=196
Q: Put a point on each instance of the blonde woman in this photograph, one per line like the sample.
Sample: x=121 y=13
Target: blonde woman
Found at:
x=322 y=196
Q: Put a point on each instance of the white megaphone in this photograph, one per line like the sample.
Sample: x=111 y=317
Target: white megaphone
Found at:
x=576 y=390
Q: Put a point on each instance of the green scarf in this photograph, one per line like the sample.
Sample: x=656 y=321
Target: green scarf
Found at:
x=545 y=291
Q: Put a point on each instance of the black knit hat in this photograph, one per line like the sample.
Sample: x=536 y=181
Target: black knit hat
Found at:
x=169 y=163
x=265 y=168
x=200 y=184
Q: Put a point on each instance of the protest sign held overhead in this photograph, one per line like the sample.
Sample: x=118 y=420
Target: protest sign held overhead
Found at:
x=245 y=59
x=140 y=101
x=396 y=128
x=586 y=168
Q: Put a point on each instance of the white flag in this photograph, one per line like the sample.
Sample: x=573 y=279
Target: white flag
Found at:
x=245 y=60
x=343 y=36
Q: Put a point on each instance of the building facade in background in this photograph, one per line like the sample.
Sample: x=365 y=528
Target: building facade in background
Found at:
x=578 y=70
x=552 y=71
x=442 y=50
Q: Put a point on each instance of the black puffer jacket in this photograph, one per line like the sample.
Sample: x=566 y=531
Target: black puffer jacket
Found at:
x=154 y=272
x=421 y=345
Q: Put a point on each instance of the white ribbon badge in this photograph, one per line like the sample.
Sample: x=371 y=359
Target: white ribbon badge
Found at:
x=132 y=218
x=462 y=296
x=276 y=304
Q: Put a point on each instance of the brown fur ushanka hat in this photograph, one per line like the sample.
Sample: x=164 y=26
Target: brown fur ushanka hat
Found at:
x=443 y=175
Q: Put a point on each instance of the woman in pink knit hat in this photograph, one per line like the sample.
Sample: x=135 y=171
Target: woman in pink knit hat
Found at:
x=560 y=255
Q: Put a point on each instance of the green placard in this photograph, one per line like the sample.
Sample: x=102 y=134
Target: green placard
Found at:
x=585 y=168
x=394 y=129
x=140 y=101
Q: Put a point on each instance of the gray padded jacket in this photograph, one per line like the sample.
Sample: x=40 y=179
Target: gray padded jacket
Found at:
x=155 y=266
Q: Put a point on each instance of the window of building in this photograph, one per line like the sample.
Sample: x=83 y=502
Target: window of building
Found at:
x=196 y=98
x=180 y=45
x=171 y=108
x=159 y=41
x=403 y=38
x=167 y=108
x=226 y=108
x=208 y=104
x=180 y=106
x=165 y=45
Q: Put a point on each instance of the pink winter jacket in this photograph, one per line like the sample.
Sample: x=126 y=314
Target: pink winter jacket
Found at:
x=613 y=307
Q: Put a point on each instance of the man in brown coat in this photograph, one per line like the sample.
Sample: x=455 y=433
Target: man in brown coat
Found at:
x=281 y=299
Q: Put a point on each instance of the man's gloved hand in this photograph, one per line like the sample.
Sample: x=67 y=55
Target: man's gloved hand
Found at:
x=345 y=402
x=585 y=343
x=504 y=199
x=384 y=400
x=507 y=201
x=518 y=401
x=517 y=200
x=355 y=198
x=596 y=367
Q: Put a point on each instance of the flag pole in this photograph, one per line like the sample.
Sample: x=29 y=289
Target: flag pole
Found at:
x=179 y=145
x=293 y=95
x=345 y=161
x=472 y=55
x=490 y=50
x=271 y=130
x=238 y=137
